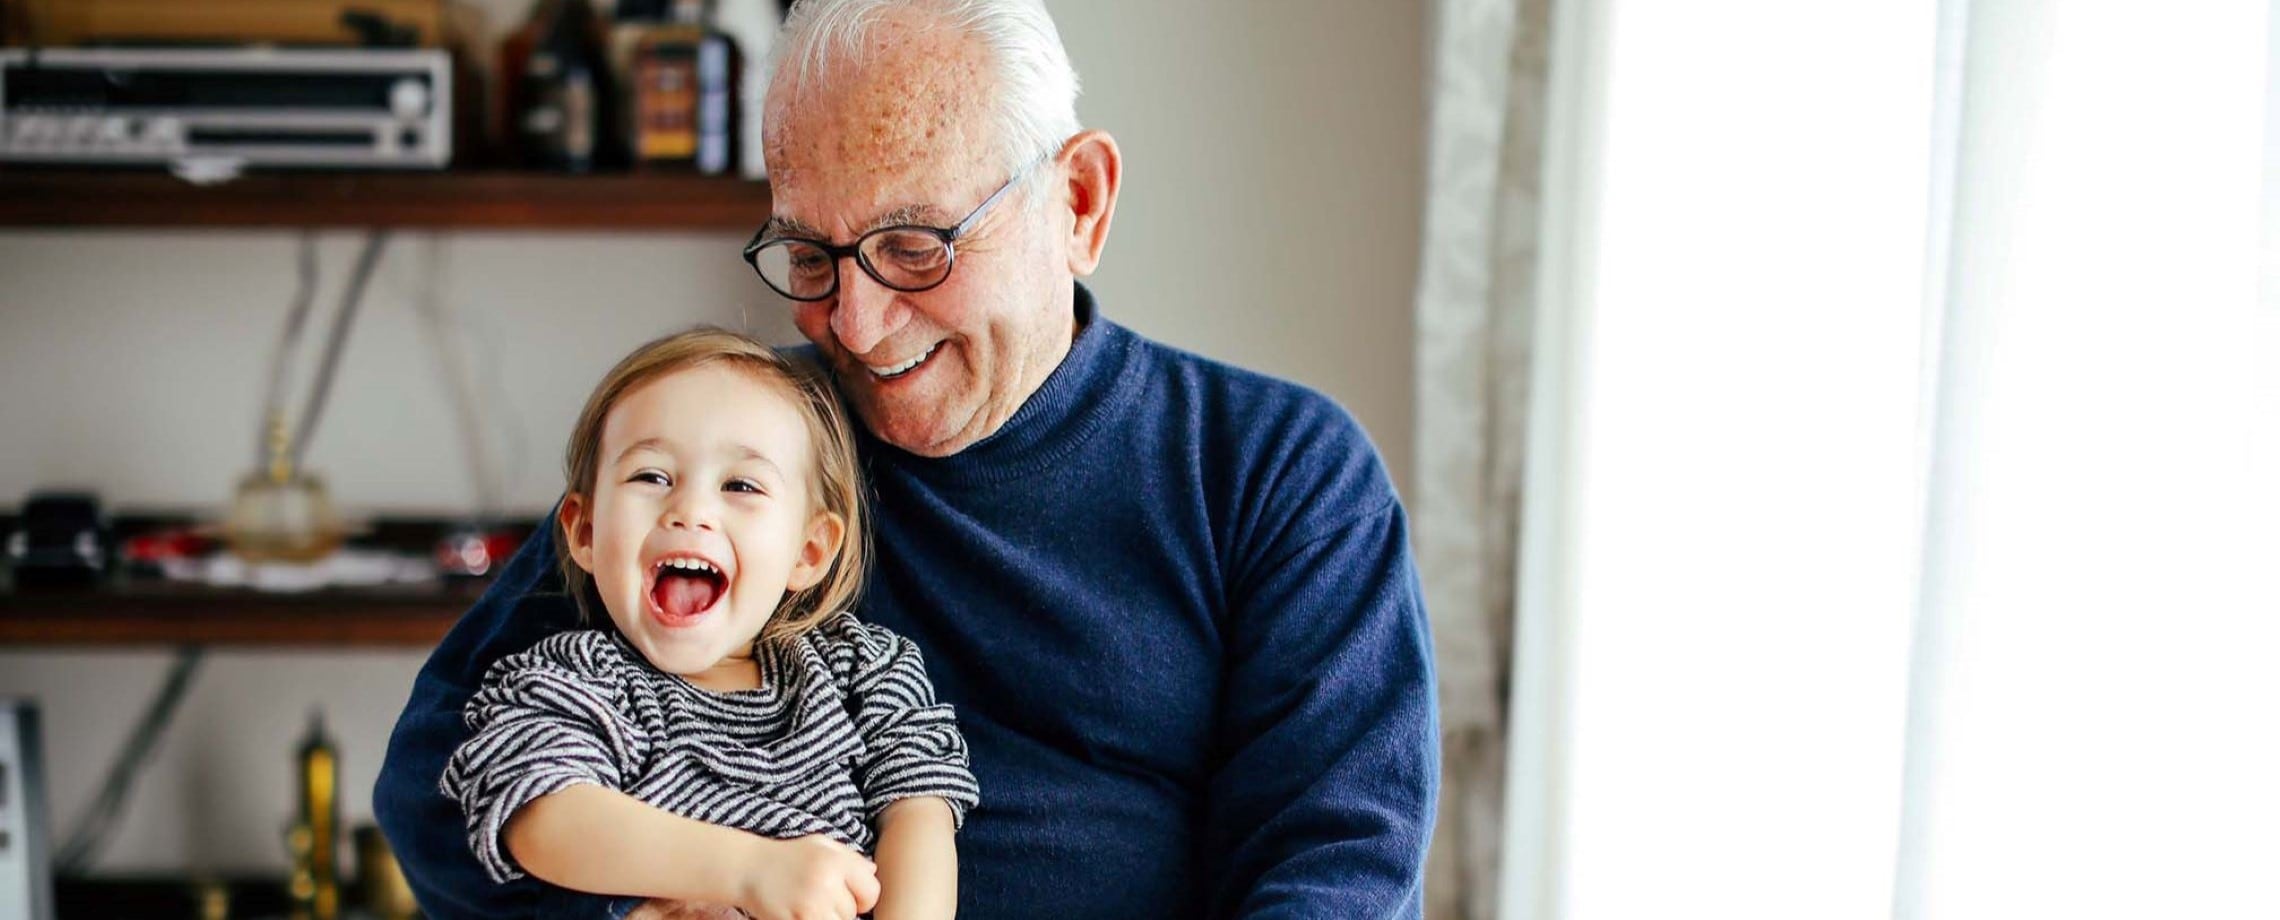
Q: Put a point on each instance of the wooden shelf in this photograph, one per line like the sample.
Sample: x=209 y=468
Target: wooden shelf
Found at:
x=158 y=613
x=35 y=197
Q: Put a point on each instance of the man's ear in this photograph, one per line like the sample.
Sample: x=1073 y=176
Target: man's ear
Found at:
x=825 y=532
x=577 y=522
x=1095 y=169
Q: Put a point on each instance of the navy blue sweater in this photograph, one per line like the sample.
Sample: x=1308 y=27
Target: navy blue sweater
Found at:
x=1174 y=606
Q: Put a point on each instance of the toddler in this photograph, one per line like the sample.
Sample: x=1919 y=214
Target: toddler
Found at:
x=732 y=735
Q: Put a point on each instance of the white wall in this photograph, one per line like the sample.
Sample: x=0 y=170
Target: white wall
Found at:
x=1270 y=219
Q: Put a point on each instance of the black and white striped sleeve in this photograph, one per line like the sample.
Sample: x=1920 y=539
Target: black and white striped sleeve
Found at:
x=912 y=744
x=544 y=720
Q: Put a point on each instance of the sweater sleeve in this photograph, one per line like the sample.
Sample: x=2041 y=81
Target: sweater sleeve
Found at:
x=427 y=829
x=1323 y=801
x=545 y=720
x=912 y=745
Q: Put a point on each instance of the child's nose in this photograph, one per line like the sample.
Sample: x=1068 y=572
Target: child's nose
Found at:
x=689 y=513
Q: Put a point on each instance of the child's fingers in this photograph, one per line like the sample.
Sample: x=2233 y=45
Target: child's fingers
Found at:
x=863 y=883
x=843 y=906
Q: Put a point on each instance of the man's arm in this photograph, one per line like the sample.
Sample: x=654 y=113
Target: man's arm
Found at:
x=1323 y=804
x=426 y=829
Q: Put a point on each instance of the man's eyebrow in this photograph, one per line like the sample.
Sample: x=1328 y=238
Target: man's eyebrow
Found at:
x=918 y=214
x=785 y=226
x=907 y=214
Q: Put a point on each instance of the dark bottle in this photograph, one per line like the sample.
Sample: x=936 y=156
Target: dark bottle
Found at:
x=683 y=93
x=563 y=117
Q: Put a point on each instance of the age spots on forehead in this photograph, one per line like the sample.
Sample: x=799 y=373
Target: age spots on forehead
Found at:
x=919 y=93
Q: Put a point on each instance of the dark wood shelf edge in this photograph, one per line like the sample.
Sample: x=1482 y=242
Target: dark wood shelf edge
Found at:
x=117 y=632
x=239 y=619
x=47 y=198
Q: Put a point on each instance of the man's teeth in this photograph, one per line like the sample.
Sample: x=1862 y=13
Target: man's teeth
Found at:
x=693 y=565
x=898 y=370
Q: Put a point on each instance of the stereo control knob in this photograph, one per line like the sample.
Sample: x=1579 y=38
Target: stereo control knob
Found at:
x=408 y=98
x=163 y=135
x=79 y=131
x=29 y=131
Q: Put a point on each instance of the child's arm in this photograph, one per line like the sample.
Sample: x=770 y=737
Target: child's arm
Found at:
x=915 y=776
x=539 y=778
x=589 y=838
x=918 y=860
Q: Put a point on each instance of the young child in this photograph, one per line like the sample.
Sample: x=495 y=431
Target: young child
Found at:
x=737 y=738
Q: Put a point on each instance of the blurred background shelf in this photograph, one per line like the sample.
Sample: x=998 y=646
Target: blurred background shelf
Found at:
x=446 y=200
x=156 y=614
x=136 y=607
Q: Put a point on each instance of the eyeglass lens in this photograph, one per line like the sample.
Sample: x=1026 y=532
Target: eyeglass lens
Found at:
x=906 y=260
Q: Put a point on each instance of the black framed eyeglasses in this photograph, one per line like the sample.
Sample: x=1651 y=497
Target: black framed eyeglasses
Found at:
x=904 y=257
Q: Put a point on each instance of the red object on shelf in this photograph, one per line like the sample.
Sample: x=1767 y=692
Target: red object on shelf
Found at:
x=476 y=553
x=162 y=545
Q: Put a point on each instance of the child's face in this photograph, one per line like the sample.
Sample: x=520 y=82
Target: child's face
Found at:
x=704 y=468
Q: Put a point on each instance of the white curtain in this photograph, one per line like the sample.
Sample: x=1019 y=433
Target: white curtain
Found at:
x=1474 y=296
x=1878 y=403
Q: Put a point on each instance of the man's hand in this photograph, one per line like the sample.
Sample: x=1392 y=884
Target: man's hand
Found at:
x=808 y=878
x=683 y=910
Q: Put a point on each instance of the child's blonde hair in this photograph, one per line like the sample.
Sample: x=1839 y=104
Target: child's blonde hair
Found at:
x=836 y=479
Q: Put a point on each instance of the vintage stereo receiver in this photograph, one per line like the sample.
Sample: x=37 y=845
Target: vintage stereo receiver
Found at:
x=258 y=107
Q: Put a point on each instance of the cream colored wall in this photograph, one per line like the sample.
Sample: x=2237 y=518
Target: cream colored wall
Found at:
x=1273 y=153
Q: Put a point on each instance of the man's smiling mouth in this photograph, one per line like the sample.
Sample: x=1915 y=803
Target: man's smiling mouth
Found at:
x=892 y=371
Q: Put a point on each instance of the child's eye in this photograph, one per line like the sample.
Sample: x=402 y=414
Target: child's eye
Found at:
x=650 y=476
x=742 y=485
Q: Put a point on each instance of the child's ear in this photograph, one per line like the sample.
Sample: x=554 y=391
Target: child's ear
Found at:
x=577 y=529
x=825 y=532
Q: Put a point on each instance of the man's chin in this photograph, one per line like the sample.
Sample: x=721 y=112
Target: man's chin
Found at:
x=915 y=424
x=923 y=441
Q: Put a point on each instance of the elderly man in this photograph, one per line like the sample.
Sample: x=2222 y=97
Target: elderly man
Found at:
x=1172 y=601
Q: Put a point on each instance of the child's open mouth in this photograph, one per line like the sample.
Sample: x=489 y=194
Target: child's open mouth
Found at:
x=683 y=588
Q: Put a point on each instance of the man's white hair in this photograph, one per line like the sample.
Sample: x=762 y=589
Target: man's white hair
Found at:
x=1035 y=100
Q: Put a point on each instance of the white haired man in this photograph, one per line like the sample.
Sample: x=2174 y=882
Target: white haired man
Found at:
x=1172 y=601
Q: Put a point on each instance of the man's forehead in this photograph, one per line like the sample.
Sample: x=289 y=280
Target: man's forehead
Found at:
x=847 y=139
x=824 y=199
x=905 y=120
x=890 y=142
x=821 y=200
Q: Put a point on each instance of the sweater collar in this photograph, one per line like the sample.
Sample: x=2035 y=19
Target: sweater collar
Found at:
x=1066 y=409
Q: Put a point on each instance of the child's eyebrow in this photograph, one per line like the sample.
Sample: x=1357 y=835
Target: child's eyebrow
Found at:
x=656 y=444
x=746 y=452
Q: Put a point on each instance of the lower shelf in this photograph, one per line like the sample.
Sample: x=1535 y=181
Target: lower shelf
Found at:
x=165 y=614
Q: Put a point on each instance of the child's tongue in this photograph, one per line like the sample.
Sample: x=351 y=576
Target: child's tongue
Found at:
x=685 y=595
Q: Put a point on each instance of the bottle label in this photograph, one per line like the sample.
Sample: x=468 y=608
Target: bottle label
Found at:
x=578 y=118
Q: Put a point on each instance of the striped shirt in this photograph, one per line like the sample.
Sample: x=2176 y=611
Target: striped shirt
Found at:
x=843 y=724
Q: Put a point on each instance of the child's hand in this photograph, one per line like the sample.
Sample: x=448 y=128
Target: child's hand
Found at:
x=683 y=910
x=808 y=878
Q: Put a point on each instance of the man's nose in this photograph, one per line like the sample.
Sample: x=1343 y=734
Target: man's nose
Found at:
x=867 y=311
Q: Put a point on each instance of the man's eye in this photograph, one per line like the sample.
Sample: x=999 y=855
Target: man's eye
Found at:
x=650 y=476
x=743 y=485
x=916 y=259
